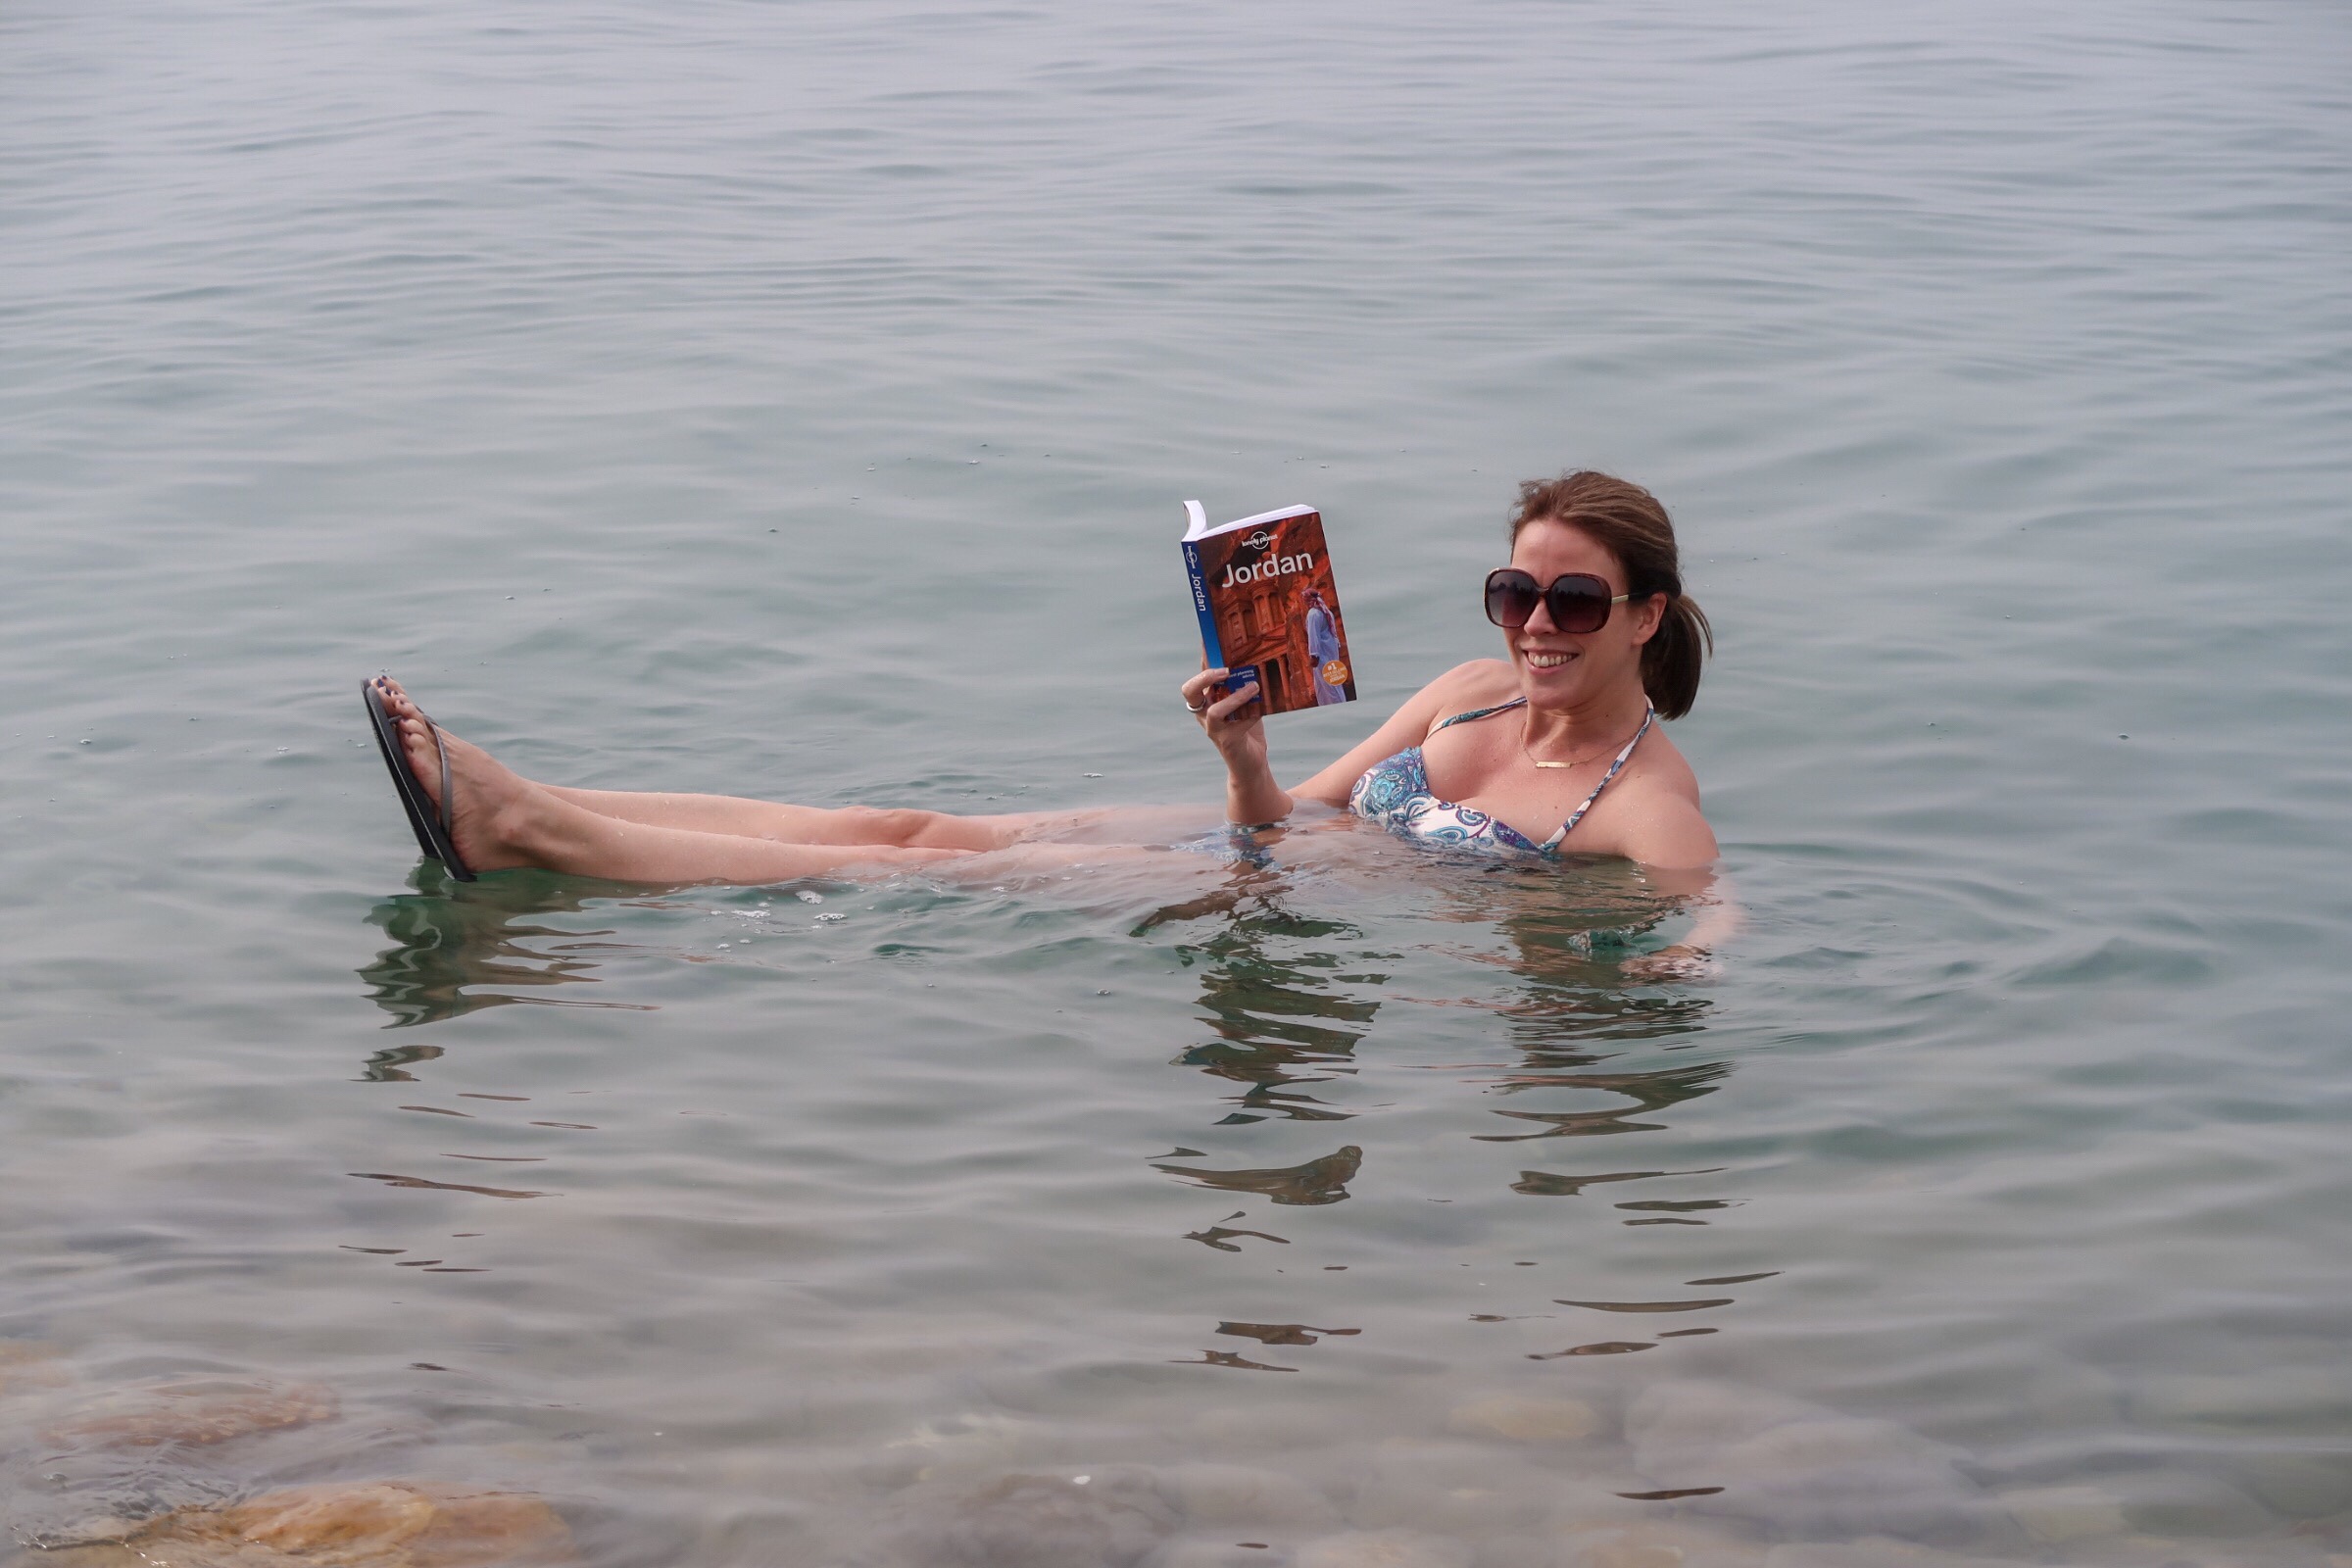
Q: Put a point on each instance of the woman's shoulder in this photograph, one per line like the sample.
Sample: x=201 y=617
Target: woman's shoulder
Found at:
x=1478 y=683
x=1655 y=817
x=1658 y=765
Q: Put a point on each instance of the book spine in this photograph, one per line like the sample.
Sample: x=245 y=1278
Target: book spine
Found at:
x=1209 y=645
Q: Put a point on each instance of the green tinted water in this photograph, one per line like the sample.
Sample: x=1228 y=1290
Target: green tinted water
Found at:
x=796 y=400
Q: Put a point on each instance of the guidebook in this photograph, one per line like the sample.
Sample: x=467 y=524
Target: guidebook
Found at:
x=1269 y=610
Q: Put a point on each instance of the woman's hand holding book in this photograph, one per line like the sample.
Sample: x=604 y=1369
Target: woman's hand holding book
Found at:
x=1235 y=722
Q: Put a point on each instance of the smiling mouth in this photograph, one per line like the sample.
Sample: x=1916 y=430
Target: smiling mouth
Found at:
x=1540 y=660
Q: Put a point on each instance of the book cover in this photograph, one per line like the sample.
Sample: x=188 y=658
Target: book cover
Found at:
x=1269 y=608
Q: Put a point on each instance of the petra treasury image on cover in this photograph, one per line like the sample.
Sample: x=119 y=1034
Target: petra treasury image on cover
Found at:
x=1269 y=608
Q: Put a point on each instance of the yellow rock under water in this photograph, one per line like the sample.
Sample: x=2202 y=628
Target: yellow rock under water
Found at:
x=194 y=1413
x=28 y=1365
x=1523 y=1418
x=1384 y=1548
x=2059 y=1514
x=1661 y=1544
x=386 y=1524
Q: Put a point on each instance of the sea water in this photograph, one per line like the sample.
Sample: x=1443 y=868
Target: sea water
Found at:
x=797 y=399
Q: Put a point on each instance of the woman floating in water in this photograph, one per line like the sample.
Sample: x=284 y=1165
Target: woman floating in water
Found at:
x=1561 y=735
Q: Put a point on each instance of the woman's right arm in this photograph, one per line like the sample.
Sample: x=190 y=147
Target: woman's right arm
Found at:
x=1235 y=725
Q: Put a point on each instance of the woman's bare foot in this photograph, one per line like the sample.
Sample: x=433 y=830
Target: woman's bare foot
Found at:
x=494 y=810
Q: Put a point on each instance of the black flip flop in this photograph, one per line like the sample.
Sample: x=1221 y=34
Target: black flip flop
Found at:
x=433 y=825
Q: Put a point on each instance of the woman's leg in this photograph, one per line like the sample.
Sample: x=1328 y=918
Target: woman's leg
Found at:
x=801 y=824
x=902 y=827
x=555 y=834
x=502 y=820
x=541 y=836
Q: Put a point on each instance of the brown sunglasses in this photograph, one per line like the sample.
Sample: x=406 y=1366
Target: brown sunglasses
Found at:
x=1579 y=602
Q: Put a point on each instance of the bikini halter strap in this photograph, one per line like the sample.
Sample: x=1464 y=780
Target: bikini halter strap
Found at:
x=1578 y=815
x=1481 y=712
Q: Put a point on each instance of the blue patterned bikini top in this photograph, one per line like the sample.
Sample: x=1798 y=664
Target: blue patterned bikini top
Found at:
x=1396 y=794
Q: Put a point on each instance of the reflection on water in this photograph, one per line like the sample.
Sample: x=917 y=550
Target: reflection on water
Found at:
x=1649 y=1091
x=1511 y=1022
x=1654 y=1306
x=1227 y=1239
x=1282 y=1332
x=1317 y=1181
x=390 y=1179
x=1271 y=991
x=1291 y=993
x=460 y=951
x=1512 y=1010
x=391 y=1064
x=1547 y=1184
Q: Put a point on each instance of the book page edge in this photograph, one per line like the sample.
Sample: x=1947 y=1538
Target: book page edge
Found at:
x=1276 y=516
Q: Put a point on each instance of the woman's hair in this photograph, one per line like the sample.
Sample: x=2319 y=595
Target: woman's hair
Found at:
x=1628 y=521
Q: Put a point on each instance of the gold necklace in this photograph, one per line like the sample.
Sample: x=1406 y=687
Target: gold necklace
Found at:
x=1540 y=762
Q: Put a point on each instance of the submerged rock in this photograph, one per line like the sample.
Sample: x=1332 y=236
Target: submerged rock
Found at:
x=411 y=1525
x=112 y=1461
x=969 y=1446
x=193 y=1412
x=1585 y=1505
x=1192 y=1553
x=2305 y=1485
x=1251 y=1428
x=2316 y=1400
x=30 y=1364
x=1523 y=1418
x=354 y=1525
x=1517 y=1551
x=1657 y=1545
x=1220 y=1495
x=1384 y=1548
x=1800 y=1447
x=2066 y=1394
x=1801 y=1472
x=2155 y=1551
x=1076 y=1519
x=2186 y=1503
x=2055 y=1514
x=1877 y=1553
x=1450 y=1484
x=1668 y=1422
x=1842 y=1503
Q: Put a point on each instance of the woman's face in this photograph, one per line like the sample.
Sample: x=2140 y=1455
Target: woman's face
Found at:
x=1565 y=670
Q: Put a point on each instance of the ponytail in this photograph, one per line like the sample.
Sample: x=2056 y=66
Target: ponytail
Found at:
x=1671 y=658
